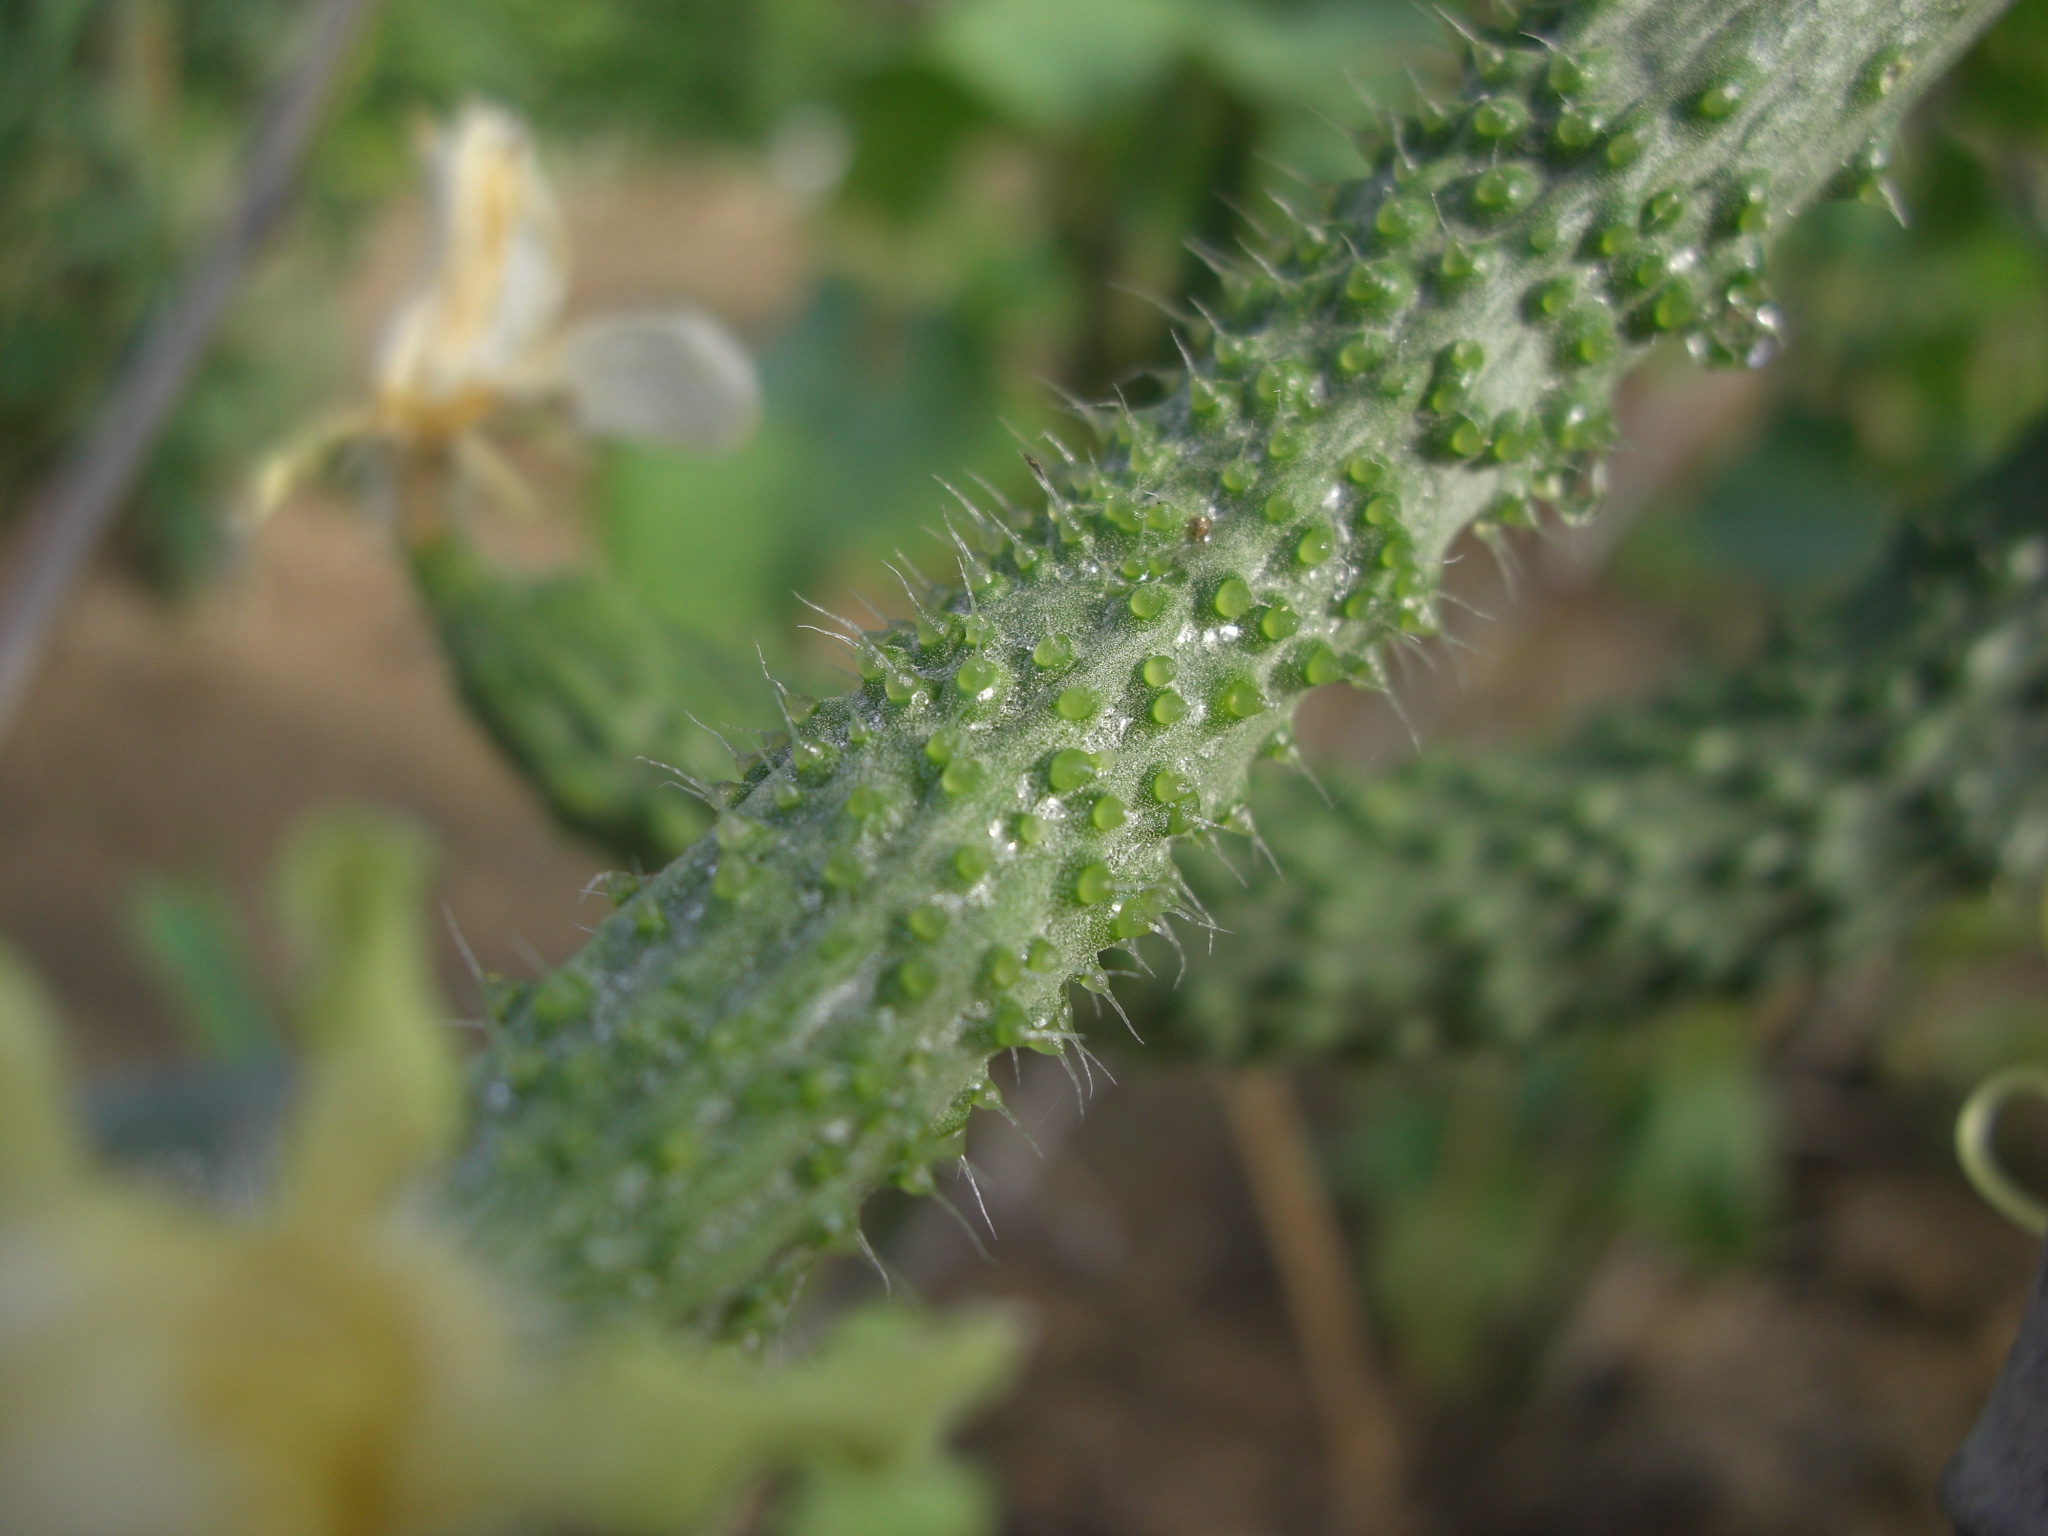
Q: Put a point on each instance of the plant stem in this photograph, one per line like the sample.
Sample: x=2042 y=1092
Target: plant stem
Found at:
x=1361 y=1429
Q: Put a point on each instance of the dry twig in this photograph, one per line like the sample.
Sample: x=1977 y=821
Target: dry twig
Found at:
x=1360 y=1428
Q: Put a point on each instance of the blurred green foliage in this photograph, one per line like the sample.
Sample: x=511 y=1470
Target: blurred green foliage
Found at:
x=1486 y=1186
x=934 y=1495
x=121 y=122
x=118 y=127
x=1016 y=168
x=1123 y=132
x=863 y=409
x=189 y=933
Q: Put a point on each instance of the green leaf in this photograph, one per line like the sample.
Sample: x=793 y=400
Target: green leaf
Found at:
x=863 y=407
x=932 y=1495
x=1282 y=57
x=1704 y=1169
x=189 y=935
x=1050 y=64
x=699 y=537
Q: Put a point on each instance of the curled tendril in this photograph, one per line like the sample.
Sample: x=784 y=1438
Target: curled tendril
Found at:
x=1976 y=1126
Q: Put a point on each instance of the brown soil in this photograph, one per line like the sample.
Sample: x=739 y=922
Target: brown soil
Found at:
x=190 y=741
x=1819 y=1392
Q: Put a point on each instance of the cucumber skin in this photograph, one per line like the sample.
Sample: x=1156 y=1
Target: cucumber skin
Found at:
x=1752 y=829
x=586 y=693
x=801 y=1007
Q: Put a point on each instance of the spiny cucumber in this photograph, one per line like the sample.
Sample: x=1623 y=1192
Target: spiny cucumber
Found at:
x=590 y=695
x=1756 y=826
x=803 y=1005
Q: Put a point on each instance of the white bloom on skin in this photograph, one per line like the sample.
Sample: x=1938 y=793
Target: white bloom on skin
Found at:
x=336 y=1365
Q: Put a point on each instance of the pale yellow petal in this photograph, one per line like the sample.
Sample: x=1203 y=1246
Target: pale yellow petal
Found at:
x=498 y=477
x=673 y=377
x=301 y=461
x=380 y=1099
x=340 y=1367
x=40 y=1155
x=646 y=1436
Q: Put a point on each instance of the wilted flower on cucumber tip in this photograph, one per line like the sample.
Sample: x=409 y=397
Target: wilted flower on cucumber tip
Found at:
x=482 y=332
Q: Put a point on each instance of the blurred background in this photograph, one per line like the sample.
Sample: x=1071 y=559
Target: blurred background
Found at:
x=1716 y=1275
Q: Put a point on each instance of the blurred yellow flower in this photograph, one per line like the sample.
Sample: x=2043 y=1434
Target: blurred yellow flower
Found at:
x=335 y=1366
x=482 y=332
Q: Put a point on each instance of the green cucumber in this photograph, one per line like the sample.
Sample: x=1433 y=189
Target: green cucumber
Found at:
x=1756 y=827
x=802 y=1006
x=592 y=697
